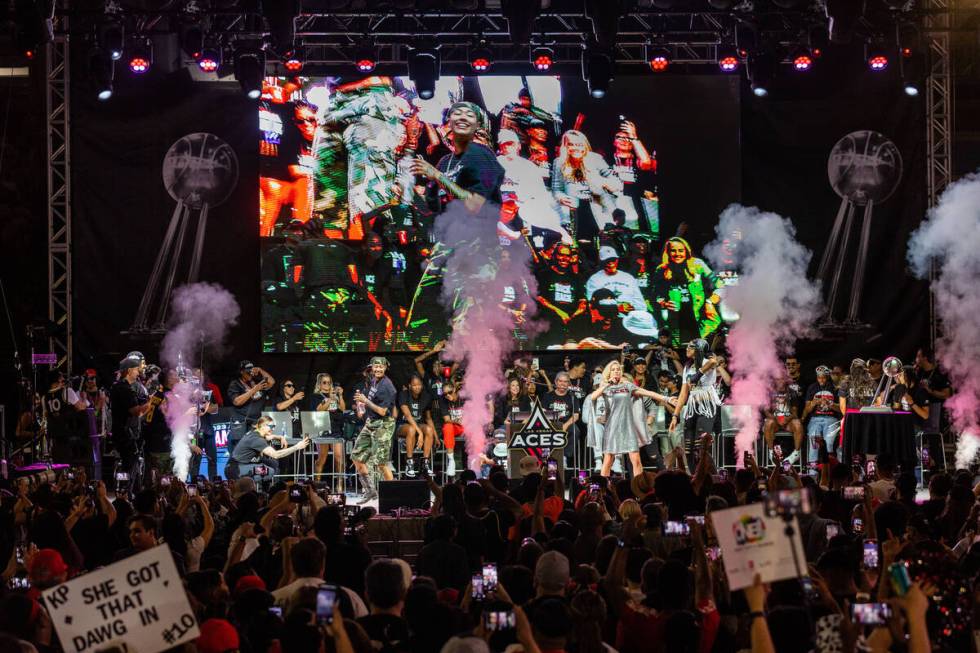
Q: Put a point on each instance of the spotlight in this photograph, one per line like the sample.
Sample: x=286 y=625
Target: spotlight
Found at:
x=802 y=60
x=728 y=60
x=877 y=58
x=542 y=58
x=142 y=56
x=209 y=59
x=597 y=71
x=658 y=58
x=480 y=59
x=913 y=73
x=365 y=58
x=760 y=69
x=292 y=61
x=250 y=71
x=423 y=69
x=113 y=40
x=101 y=67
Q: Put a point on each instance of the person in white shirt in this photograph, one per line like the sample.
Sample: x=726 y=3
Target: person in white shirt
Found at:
x=632 y=306
x=883 y=487
x=524 y=183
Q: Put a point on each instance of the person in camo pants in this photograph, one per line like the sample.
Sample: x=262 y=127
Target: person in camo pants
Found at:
x=372 y=448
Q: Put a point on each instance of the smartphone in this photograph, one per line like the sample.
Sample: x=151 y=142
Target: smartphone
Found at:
x=336 y=499
x=192 y=490
x=275 y=610
x=19 y=583
x=594 y=489
x=810 y=590
x=869 y=469
x=297 y=494
x=789 y=502
x=713 y=552
x=778 y=450
x=677 y=528
x=723 y=475
x=122 y=476
x=489 y=577
x=535 y=363
x=583 y=476
x=854 y=493
x=70 y=476
x=497 y=620
x=898 y=574
x=326 y=597
x=870 y=614
x=20 y=554
x=871 y=554
x=787 y=465
x=857 y=526
x=925 y=456
x=833 y=530
x=552 y=469
x=476 y=588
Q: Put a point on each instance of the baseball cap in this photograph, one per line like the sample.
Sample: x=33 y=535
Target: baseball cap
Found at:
x=245 y=366
x=217 y=636
x=823 y=369
x=128 y=364
x=529 y=465
x=249 y=582
x=47 y=564
x=607 y=253
x=507 y=136
x=90 y=372
x=551 y=573
x=138 y=355
x=379 y=360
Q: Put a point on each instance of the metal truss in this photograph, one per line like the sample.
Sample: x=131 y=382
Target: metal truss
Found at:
x=939 y=120
x=57 y=82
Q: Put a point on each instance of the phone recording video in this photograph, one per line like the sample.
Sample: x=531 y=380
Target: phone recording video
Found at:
x=326 y=597
x=297 y=494
x=870 y=554
x=898 y=575
x=476 y=588
x=857 y=525
x=854 y=493
x=869 y=469
x=497 y=620
x=870 y=614
x=676 y=528
x=336 y=499
x=809 y=589
x=489 y=577
x=552 y=469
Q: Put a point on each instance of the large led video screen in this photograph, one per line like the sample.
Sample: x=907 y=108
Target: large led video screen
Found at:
x=612 y=197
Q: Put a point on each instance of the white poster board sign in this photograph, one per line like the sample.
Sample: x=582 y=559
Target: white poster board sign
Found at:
x=752 y=543
x=139 y=602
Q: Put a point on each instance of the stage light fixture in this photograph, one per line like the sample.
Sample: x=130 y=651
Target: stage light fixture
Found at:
x=913 y=73
x=292 y=61
x=141 y=55
x=423 y=70
x=877 y=58
x=281 y=16
x=113 y=40
x=365 y=58
x=597 y=71
x=728 y=59
x=842 y=17
x=481 y=59
x=209 y=59
x=802 y=60
x=520 y=15
x=658 y=58
x=192 y=40
x=101 y=68
x=542 y=58
x=760 y=68
x=250 y=71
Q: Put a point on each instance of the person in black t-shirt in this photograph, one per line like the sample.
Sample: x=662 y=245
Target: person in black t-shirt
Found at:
x=510 y=403
x=606 y=324
x=329 y=396
x=416 y=425
x=471 y=172
x=561 y=293
x=566 y=409
x=127 y=413
x=451 y=407
x=156 y=431
x=247 y=397
x=254 y=449
x=372 y=448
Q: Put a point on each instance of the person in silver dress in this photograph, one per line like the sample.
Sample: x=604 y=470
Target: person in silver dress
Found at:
x=624 y=423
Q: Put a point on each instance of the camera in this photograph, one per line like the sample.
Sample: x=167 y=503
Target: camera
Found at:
x=789 y=503
x=870 y=614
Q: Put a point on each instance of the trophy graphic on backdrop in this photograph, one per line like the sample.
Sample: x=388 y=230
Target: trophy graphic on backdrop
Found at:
x=864 y=169
x=200 y=171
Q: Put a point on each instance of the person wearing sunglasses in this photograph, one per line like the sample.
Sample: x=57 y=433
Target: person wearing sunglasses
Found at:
x=256 y=448
x=329 y=396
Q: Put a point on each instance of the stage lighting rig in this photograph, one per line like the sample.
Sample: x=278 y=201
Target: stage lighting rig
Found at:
x=728 y=59
x=292 y=61
x=281 y=16
x=542 y=58
x=365 y=58
x=658 y=58
x=423 y=70
x=876 y=57
x=597 y=70
x=33 y=25
x=802 y=60
x=604 y=15
x=250 y=71
x=761 y=69
x=843 y=16
x=209 y=59
x=520 y=15
x=113 y=39
x=101 y=68
x=141 y=55
x=913 y=68
x=481 y=58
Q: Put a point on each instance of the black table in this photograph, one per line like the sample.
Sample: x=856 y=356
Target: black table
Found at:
x=878 y=433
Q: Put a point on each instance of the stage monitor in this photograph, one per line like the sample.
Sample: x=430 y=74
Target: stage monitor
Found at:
x=594 y=188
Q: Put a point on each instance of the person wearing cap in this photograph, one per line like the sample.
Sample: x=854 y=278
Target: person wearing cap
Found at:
x=256 y=448
x=631 y=305
x=47 y=569
x=127 y=422
x=217 y=636
x=823 y=411
x=470 y=172
x=524 y=184
x=247 y=397
x=372 y=448
x=686 y=290
x=698 y=403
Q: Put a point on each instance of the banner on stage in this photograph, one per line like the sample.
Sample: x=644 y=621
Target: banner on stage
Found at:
x=752 y=543
x=137 y=603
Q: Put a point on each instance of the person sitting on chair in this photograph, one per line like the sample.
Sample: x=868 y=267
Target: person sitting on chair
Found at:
x=255 y=448
x=781 y=415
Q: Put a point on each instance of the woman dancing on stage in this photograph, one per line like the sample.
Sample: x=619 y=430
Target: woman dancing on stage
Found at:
x=699 y=401
x=624 y=426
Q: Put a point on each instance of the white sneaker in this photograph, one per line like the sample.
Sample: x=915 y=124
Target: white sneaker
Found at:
x=793 y=457
x=451 y=465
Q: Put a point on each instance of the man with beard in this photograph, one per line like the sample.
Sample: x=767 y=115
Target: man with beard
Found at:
x=127 y=414
x=247 y=395
x=372 y=449
x=685 y=288
x=470 y=172
x=561 y=294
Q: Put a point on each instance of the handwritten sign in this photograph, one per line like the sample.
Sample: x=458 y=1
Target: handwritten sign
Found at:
x=752 y=543
x=138 y=602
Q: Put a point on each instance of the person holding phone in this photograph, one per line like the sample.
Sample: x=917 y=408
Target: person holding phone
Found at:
x=256 y=448
x=329 y=397
x=624 y=427
x=248 y=396
x=372 y=449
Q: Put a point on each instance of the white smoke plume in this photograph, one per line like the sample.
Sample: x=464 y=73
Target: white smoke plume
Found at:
x=201 y=315
x=949 y=239
x=775 y=301
x=476 y=281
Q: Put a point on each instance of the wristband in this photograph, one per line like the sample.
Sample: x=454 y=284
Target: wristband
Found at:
x=757 y=615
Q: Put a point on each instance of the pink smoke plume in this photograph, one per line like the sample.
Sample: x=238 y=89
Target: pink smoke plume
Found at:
x=948 y=242
x=201 y=316
x=775 y=301
x=479 y=278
